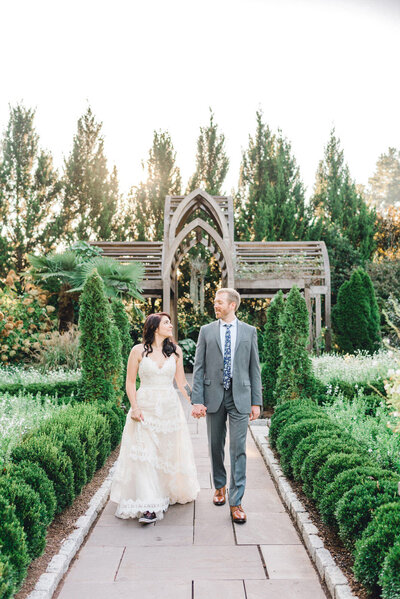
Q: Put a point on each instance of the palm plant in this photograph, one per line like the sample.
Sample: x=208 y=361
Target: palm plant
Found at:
x=65 y=274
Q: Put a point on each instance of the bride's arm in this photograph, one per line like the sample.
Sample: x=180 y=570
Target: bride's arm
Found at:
x=180 y=377
x=131 y=374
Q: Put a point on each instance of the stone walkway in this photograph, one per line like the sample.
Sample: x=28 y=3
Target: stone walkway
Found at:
x=196 y=552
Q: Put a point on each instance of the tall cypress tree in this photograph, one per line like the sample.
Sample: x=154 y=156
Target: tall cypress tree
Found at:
x=90 y=193
x=146 y=201
x=294 y=378
x=271 y=355
x=212 y=163
x=355 y=317
x=29 y=191
x=97 y=342
x=384 y=186
x=271 y=205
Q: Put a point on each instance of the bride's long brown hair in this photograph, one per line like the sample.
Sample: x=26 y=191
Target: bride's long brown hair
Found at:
x=150 y=326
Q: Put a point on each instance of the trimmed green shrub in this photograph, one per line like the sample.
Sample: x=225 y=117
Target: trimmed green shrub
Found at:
x=68 y=440
x=7 y=584
x=122 y=322
x=284 y=412
x=34 y=476
x=336 y=463
x=295 y=378
x=114 y=423
x=329 y=431
x=89 y=415
x=293 y=435
x=116 y=365
x=345 y=481
x=389 y=578
x=318 y=457
x=13 y=542
x=357 y=506
x=29 y=510
x=56 y=464
x=355 y=316
x=95 y=342
x=62 y=390
x=73 y=418
x=375 y=543
x=271 y=356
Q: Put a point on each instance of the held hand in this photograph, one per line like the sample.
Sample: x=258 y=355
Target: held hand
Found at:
x=255 y=412
x=137 y=415
x=198 y=410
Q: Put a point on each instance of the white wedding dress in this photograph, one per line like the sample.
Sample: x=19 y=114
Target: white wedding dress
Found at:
x=156 y=466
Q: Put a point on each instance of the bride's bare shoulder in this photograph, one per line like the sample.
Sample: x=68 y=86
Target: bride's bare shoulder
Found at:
x=137 y=351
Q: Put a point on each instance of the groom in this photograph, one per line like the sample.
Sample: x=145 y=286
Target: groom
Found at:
x=227 y=385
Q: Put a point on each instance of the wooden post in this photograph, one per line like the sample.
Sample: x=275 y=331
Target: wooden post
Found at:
x=317 y=318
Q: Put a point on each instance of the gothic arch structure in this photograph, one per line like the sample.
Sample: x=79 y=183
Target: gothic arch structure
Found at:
x=255 y=269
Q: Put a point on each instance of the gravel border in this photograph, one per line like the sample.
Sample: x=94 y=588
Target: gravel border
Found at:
x=59 y=564
x=328 y=571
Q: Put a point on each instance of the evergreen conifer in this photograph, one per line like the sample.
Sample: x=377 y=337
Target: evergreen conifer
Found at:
x=97 y=342
x=294 y=379
x=355 y=317
x=271 y=356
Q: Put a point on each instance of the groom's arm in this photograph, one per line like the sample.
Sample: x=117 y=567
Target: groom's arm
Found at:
x=255 y=372
x=198 y=370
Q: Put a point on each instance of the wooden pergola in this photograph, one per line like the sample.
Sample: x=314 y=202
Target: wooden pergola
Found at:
x=256 y=269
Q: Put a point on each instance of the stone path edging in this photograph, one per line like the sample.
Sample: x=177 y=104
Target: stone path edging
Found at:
x=329 y=572
x=59 y=564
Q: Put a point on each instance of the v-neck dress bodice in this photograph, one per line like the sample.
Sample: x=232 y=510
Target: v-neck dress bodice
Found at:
x=156 y=465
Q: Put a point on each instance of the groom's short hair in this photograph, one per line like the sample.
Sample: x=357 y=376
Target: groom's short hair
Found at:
x=233 y=295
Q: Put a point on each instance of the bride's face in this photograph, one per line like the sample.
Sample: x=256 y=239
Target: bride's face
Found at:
x=165 y=327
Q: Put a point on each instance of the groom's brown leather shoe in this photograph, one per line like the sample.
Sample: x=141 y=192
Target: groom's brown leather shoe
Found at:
x=238 y=515
x=219 y=496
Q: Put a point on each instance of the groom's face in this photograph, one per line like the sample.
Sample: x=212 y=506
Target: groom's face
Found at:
x=222 y=306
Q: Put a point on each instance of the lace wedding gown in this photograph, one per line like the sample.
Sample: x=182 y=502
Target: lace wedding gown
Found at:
x=156 y=466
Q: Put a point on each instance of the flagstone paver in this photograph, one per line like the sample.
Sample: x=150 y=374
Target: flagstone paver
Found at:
x=196 y=552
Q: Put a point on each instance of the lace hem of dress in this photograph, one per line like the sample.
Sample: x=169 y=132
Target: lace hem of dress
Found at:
x=144 y=455
x=129 y=508
x=164 y=426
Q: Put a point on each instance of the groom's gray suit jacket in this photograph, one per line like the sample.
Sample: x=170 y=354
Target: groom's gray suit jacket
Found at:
x=208 y=388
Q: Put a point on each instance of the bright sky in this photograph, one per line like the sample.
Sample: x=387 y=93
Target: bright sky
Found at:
x=159 y=64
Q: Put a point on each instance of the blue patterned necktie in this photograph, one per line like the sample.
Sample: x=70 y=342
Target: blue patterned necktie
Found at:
x=227 y=357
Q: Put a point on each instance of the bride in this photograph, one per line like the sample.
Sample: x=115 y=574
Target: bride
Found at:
x=156 y=466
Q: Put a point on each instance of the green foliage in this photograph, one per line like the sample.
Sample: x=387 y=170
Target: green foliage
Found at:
x=188 y=347
x=59 y=391
x=343 y=482
x=115 y=423
x=79 y=419
x=121 y=320
x=144 y=216
x=13 y=543
x=56 y=464
x=389 y=578
x=34 y=476
x=91 y=196
x=384 y=185
x=29 y=510
x=375 y=543
x=318 y=456
x=334 y=465
x=339 y=207
x=211 y=160
x=292 y=435
x=7 y=583
x=327 y=432
x=271 y=356
x=295 y=378
x=90 y=418
x=356 y=508
x=69 y=442
x=271 y=193
x=355 y=317
x=29 y=190
x=98 y=355
x=285 y=412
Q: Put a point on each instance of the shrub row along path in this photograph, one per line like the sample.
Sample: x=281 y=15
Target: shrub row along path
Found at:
x=196 y=552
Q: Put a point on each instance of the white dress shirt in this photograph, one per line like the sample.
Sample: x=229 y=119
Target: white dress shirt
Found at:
x=233 y=330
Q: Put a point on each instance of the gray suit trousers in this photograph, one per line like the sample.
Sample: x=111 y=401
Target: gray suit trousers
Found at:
x=216 y=429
